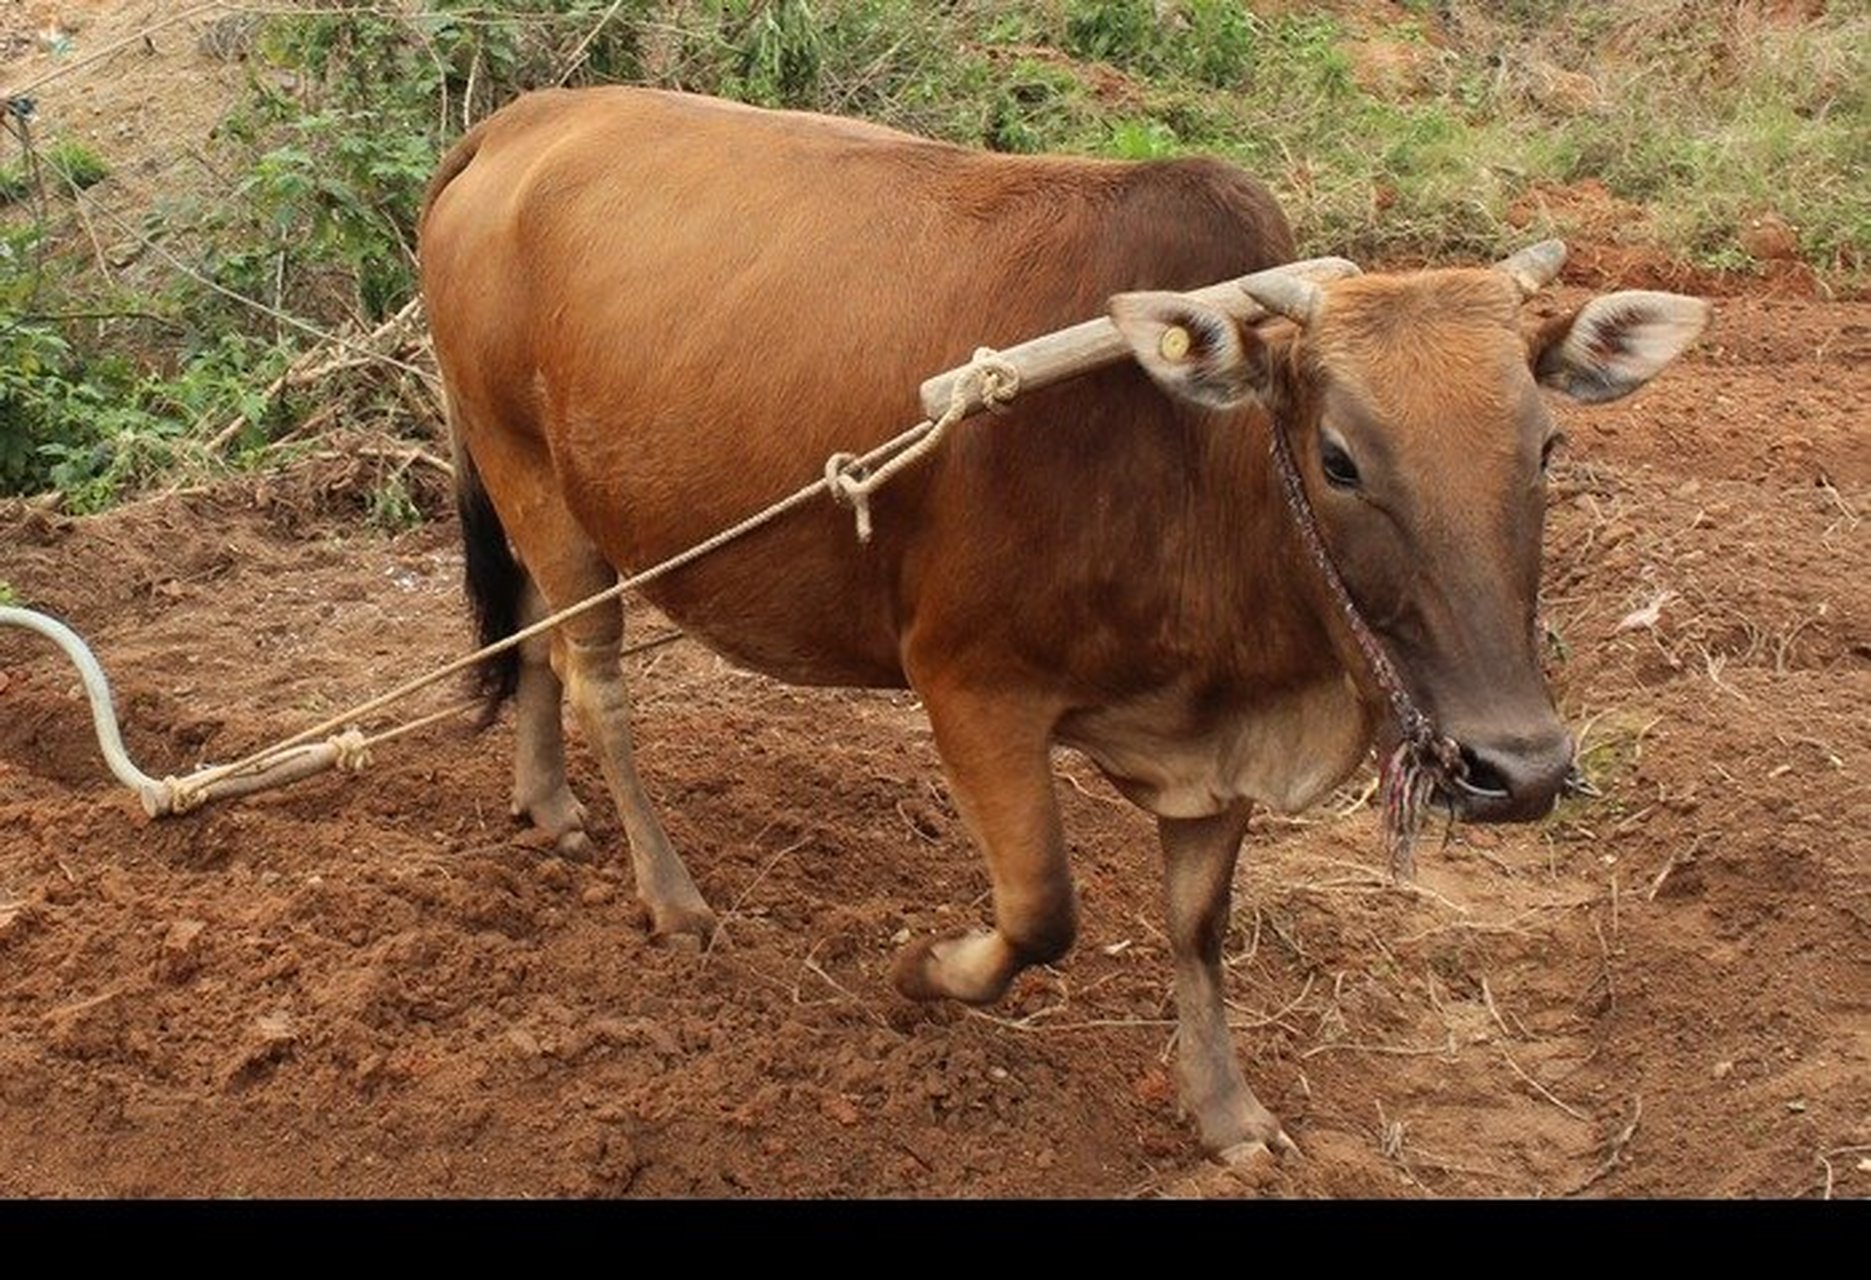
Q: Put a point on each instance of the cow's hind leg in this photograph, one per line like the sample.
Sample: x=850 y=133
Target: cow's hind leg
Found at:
x=565 y=567
x=1199 y=856
x=541 y=793
x=997 y=752
x=593 y=673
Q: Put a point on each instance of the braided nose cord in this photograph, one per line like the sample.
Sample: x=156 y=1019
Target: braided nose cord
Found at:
x=1424 y=758
x=1409 y=778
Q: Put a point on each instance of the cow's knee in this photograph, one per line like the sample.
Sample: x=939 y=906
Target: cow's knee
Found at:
x=997 y=753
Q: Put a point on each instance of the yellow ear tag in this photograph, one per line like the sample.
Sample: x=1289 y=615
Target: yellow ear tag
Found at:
x=1174 y=344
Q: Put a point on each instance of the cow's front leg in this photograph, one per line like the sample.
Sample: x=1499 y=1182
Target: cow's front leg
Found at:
x=1199 y=856
x=996 y=751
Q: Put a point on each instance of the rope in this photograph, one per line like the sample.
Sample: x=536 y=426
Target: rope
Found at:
x=97 y=690
x=850 y=479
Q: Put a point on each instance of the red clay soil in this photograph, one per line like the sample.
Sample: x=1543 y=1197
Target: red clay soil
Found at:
x=380 y=986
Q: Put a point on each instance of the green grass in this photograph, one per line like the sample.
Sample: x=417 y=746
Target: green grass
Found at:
x=1694 y=119
x=76 y=164
x=392 y=508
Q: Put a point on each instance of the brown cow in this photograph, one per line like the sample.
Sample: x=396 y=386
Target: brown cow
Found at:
x=655 y=314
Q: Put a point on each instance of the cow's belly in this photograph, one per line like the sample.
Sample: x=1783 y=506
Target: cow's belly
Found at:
x=797 y=601
x=1285 y=752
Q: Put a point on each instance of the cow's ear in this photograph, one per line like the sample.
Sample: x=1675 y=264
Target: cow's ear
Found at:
x=1613 y=345
x=1191 y=350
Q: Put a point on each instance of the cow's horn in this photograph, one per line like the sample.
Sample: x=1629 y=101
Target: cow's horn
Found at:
x=1535 y=266
x=1284 y=294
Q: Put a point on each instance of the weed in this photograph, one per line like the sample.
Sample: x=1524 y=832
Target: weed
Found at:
x=76 y=164
x=1122 y=32
x=72 y=165
x=782 y=54
x=1610 y=746
x=393 y=508
x=1141 y=140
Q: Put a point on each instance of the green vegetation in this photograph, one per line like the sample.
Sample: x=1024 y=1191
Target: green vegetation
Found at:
x=393 y=507
x=67 y=163
x=138 y=344
x=76 y=164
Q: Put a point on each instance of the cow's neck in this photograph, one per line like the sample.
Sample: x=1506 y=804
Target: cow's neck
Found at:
x=1291 y=624
x=1267 y=709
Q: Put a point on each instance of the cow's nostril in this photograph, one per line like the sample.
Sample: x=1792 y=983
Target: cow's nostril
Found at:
x=1481 y=776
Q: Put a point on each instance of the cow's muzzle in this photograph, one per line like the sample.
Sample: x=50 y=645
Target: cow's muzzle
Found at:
x=1516 y=779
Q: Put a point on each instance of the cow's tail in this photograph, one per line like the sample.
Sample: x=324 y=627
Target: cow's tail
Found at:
x=495 y=580
x=496 y=584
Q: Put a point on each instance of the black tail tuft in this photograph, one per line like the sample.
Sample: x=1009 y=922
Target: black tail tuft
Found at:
x=495 y=582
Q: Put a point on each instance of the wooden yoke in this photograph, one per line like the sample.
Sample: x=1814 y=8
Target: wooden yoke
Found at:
x=1054 y=357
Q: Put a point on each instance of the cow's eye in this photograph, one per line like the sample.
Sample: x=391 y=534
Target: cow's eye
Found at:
x=1340 y=471
x=1546 y=450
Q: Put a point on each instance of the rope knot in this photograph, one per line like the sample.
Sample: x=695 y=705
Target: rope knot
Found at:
x=994 y=377
x=851 y=483
x=351 y=753
x=180 y=796
x=989 y=379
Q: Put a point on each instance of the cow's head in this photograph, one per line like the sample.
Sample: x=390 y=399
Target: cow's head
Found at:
x=1412 y=405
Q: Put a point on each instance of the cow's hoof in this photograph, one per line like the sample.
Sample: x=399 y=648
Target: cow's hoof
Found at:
x=1259 y=1153
x=969 y=967
x=1248 y=1156
x=576 y=846
x=911 y=976
x=684 y=928
x=1252 y=1164
x=559 y=818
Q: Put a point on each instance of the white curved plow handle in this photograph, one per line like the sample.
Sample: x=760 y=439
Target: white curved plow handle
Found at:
x=166 y=795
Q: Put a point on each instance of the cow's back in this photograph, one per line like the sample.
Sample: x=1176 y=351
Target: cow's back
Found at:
x=691 y=304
